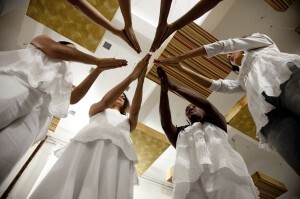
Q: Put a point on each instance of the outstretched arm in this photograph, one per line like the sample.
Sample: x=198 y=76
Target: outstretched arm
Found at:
x=92 y=13
x=164 y=109
x=80 y=91
x=162 y=27
x=58 y=51
x=109 y=98
x=212 y=114
x=125 y=6
x=164 y=31
x=197 y=11
x=137 y=100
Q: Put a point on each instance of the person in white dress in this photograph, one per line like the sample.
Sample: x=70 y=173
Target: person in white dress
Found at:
x=271 y=80
x=206 y=166
x=34 y=83
x=99 y=161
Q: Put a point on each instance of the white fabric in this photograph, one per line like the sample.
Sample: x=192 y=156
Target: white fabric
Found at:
x=263 y=68
x=29 y=127
x=48 y=75
x=203 y=149
x=205 y=144
x=220 y=185
x=93 y=170
x=109 y=124
x=32 y=85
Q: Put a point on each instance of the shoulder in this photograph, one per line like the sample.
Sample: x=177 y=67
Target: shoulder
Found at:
x=181 y=128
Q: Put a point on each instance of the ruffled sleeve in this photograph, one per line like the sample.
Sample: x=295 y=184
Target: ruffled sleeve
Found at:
x=52 y=76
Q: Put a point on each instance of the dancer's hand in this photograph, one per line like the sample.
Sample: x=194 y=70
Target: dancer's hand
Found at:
x=165 y=83
x=129 y=37
x=163 y=31
x=169 y=60
x=140 y=67
x=132 y=38
x=110 y=63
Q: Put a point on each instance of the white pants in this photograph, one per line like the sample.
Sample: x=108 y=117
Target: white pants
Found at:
x=223 y=184
x=23 y=115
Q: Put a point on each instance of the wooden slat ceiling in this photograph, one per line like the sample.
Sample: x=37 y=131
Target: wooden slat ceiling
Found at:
x=61 y=17
x=188 y=38
x=280 y=5
x=268 y=187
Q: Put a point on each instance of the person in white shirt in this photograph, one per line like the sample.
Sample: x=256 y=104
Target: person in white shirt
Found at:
x=271 y=80
x=99 y=160
x=206 y=166
x=34 y=83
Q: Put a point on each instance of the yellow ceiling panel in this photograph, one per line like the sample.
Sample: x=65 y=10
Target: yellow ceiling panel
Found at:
x=63 y=18
x=149 y=145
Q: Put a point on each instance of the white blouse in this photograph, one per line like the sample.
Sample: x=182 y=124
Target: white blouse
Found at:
x=109 y=124
x=263 y=68
x=205 y=144
x=51 y=76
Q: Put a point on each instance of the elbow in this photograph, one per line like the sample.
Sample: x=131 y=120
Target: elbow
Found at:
x=74 y=98
x=73 y=101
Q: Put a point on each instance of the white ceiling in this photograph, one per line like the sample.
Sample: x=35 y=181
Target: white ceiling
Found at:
x=230 y=18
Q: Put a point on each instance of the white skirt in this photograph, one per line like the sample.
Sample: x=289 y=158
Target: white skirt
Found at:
x=92 y=170
x=223 y=184
x=23 y=121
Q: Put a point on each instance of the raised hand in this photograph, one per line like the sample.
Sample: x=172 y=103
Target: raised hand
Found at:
x=140 y=67
x=162 y=33
x=164 y=81
x=110 y=63
x=129 y=37
x=170 y=60
x=132 y=38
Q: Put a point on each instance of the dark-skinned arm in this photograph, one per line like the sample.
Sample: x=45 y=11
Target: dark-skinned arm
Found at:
x=165 y=112
x=212 y=114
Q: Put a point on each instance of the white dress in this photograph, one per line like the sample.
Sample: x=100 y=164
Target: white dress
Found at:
x=97 y=164
x=263 y=69
x=206 y=166
x=32 y=86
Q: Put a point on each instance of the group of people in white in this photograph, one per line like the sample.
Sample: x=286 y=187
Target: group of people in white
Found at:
x=99 y=161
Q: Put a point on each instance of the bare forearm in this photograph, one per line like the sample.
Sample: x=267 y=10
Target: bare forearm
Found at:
x=165 y=6
x=70 y=54
x=164 y=110
x=136 y=105
x=197 y=11
x=166 y=118
x=80 y=91
x=111 y=96
x=92 y=13
x=204 y=81
x=125 y=6
x=193 y=53
x=192 y=97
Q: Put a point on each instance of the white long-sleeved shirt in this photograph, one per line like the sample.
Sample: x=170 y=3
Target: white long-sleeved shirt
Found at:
x=263 y=68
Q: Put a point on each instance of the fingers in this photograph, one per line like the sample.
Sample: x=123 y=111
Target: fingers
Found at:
x=132 y=40
x=172 y=60
x=160 y=72
x=120 y=62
